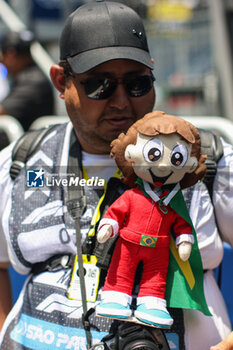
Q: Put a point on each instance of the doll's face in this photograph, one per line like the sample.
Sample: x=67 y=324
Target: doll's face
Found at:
x=163 y=159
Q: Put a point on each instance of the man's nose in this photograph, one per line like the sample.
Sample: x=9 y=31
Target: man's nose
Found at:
x=119 y=98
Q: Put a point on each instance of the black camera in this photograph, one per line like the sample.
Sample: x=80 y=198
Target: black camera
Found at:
x=131 y=336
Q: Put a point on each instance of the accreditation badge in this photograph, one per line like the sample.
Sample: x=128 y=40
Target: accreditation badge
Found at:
x=91 y=277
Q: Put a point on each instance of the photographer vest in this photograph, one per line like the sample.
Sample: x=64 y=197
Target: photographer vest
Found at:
x=43 y=222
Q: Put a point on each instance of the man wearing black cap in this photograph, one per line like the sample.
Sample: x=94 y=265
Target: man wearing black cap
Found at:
x=105 y=78
x=94 y=36
x=31 y=93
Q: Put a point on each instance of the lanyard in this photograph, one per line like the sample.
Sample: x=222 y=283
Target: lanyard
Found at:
x=97 y=213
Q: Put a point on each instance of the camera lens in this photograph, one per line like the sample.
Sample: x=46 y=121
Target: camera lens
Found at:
x=99 y=346
x=142 y=345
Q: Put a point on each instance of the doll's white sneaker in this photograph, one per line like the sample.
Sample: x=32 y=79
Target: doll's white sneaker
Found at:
x=114 y=304
x=153 y=311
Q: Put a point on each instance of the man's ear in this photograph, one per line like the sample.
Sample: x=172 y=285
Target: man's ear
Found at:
x=58 y=78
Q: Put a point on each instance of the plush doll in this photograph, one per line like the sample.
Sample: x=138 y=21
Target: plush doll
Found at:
x=162 y=153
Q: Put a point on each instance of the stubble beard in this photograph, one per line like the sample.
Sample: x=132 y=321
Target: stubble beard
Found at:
x=101 y=142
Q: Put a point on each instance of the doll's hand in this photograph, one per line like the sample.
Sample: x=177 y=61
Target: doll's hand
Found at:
x=184 y=250
x=104 y=233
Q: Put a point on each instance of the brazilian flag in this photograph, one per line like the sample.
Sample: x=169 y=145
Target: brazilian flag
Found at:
x=185 y=279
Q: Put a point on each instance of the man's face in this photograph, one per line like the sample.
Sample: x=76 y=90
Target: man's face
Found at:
x=98 y=122
x=160 y=160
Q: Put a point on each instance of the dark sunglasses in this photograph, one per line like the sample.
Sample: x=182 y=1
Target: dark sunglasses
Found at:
x=103 y=88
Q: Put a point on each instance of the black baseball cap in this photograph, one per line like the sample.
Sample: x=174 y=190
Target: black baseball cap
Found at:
x=101 y=31
x=19 y=41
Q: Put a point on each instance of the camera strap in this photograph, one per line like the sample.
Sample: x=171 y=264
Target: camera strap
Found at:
x=76 y=205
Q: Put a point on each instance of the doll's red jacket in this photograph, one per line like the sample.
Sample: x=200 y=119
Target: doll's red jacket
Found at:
x=139 y=219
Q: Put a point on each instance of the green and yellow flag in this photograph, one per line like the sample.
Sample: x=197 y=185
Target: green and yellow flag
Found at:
x=185 y=279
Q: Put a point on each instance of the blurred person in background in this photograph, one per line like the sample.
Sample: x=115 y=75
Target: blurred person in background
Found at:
x=4 y=86
x=31 y=93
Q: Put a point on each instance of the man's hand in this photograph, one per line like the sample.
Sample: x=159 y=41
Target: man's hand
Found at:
x=104 y=233
x=184 y=250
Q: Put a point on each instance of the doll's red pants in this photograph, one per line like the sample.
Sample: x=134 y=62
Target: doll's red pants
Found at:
x=125 y=259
